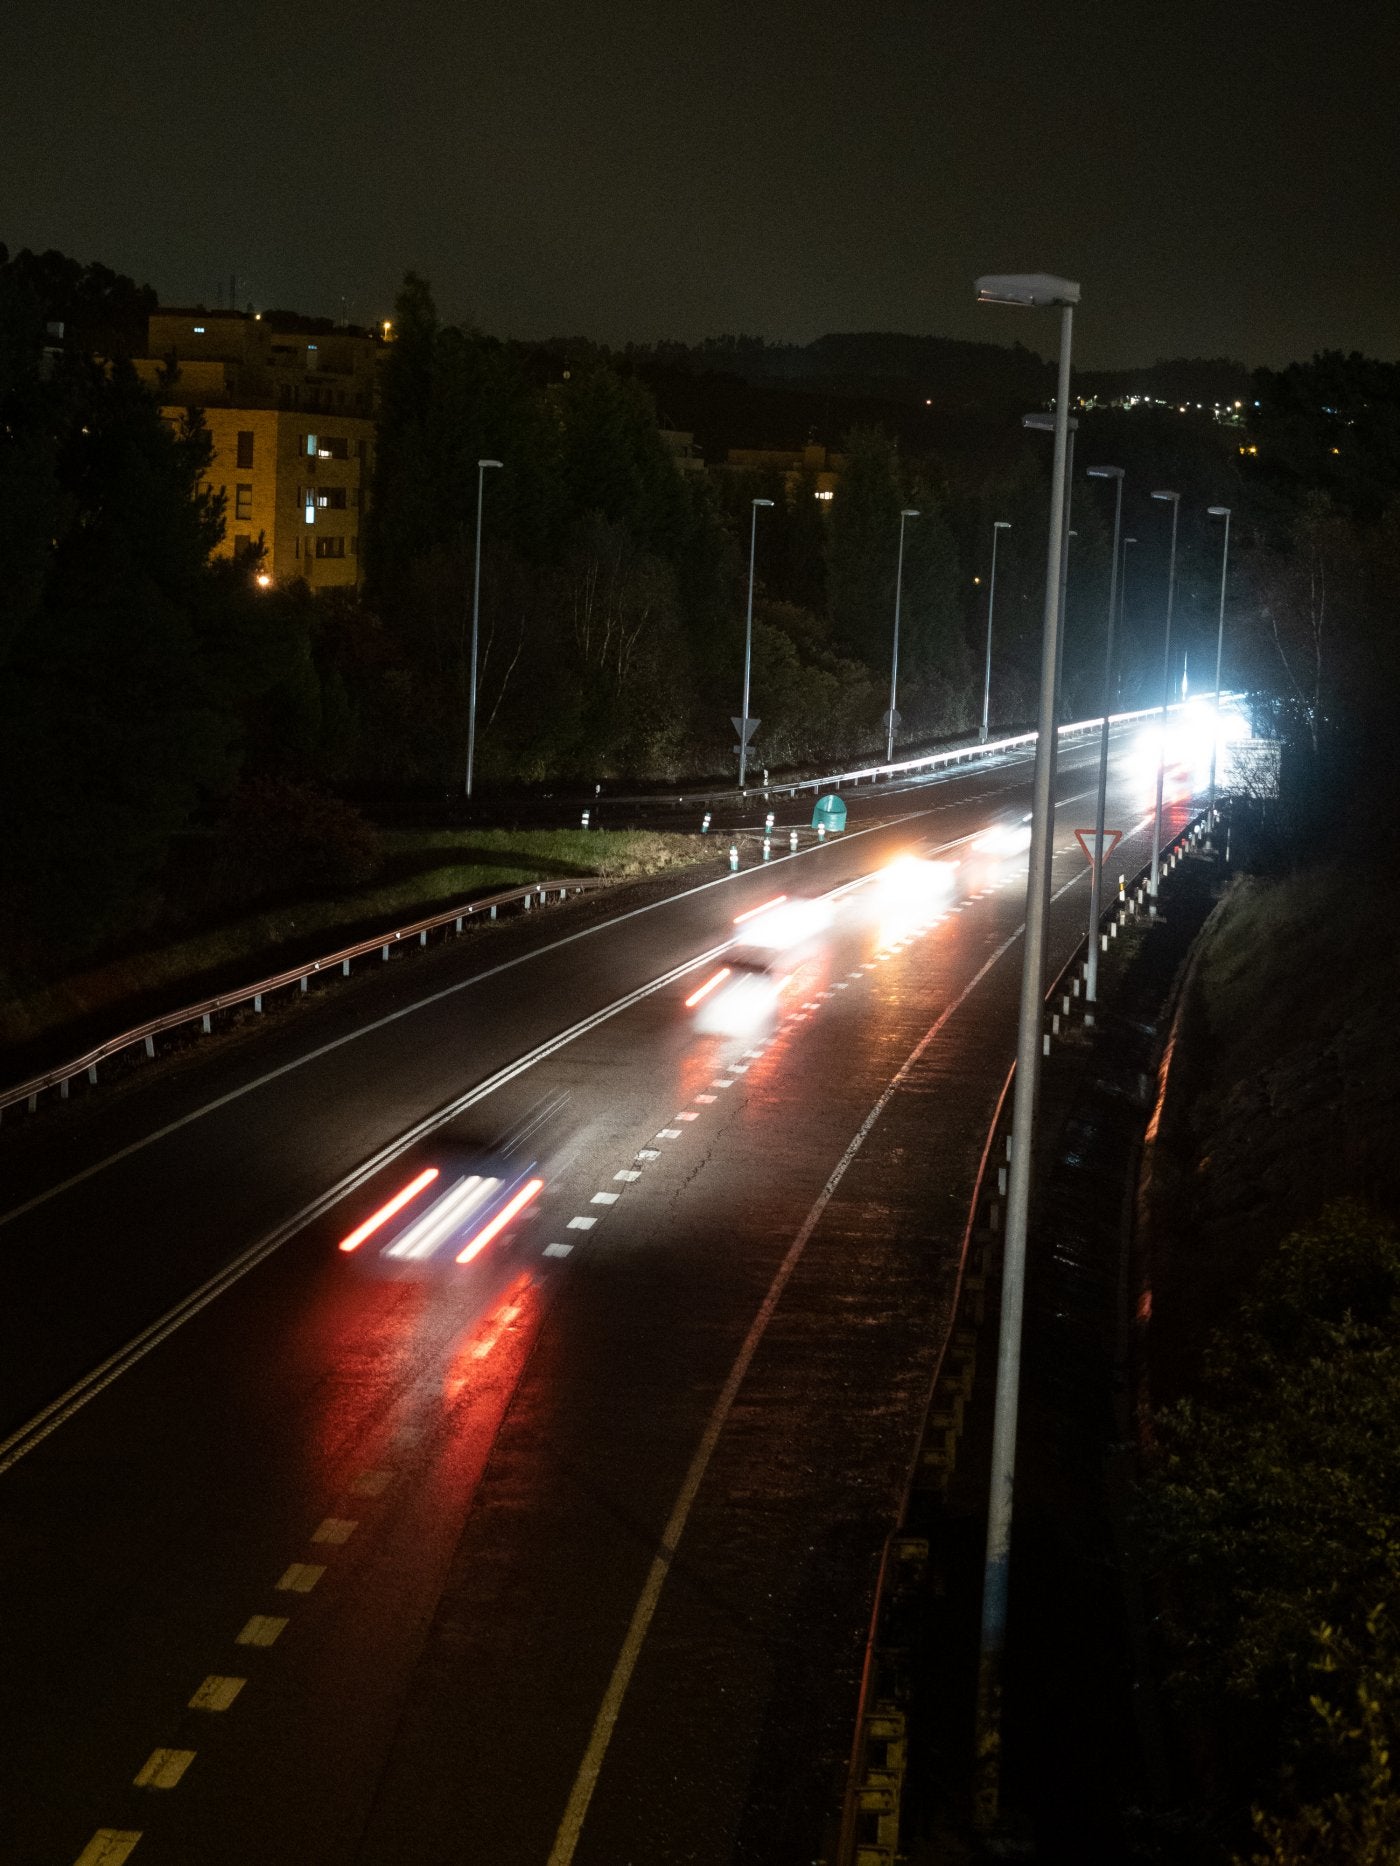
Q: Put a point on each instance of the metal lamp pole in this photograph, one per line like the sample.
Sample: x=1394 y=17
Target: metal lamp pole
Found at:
x=1174 y=499
x=1091 y=982
x=909 y=512
x=481 y=467
x=1045 y=423
x=1035 y=290
x=998 y=524
x=748 y=645
x=1218 y=511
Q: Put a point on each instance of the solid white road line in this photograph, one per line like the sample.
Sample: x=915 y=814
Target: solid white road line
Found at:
x=50 y=1417
x=571 y=1826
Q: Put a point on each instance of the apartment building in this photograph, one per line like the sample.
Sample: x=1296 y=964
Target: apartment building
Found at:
x=289 y=404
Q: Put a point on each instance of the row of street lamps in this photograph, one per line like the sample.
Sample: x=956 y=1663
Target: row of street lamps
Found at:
x=1042 y=290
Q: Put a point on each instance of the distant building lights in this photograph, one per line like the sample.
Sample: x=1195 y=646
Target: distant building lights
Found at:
x=199 y=330
x=828 y=494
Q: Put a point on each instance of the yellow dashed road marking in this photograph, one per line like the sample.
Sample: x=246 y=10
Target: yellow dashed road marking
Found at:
x=163 y=1768
x=335 y=1529
x=262 y=1630
x=109 y=1846
x=300 y=1578
x=216 y=1693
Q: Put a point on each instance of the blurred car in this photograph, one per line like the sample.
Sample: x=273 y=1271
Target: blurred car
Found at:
x=447 y=1213
x=773 y=941
x=1003 y=841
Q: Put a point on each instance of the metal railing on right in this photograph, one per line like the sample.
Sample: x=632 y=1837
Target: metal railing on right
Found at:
x=872 y=1804
x=144 y=1035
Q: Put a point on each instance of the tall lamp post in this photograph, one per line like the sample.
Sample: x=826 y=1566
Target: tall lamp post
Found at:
x=998 y=524
x=1033 y=289
x=891 y=718
x=1174 y=500
x=1091 y=982
x=1218 y=511
x=1043 y=423
x=745 y=726
x=481 y=467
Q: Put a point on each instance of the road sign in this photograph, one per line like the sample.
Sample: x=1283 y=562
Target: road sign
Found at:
x=1086 y=838
x=744 y=727
x=830 y=813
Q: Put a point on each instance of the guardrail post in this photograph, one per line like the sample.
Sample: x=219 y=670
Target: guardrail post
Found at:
x=257 y=1001
x=303 y=981
x=150 y=1046
x=423 y=937
x=384 y=952
x=526 y=904
x=207 y=1026
x=92 y=1074
x=63 y=1089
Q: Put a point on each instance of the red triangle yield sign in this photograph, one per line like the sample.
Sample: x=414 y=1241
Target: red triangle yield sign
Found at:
x=1086 y=839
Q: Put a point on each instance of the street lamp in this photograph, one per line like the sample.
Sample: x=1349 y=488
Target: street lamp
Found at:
x=1122 y=612
x=1033 y=289
x=481 y=467
x=1041 y=423
x=744 y=723
x=1091 y=982
x=891 y=717
x=1218 y=511
x=998 y=524
x=1174 y=500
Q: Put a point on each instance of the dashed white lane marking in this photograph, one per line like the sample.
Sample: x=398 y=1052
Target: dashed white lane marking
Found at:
x=648 y=1153
x=264 y=1629
x=216 y=1694
x=163 y=1768
x=581 y=1224
x=570 y=1827
x=669 y=1133
x=628 y=1173
x=707 y=1099
x=605 y=1198
x=739 y=1069
x=558 y=1250
x=334 y=1529
x=371 y=1483
x=686 y=1114
x=843 y=984
x=798 y=1017
x=753 y=1055
x=300 y=1578
x=723 y=1082
x=109 y=1846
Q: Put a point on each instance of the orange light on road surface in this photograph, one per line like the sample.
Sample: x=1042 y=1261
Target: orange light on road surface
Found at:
x=707 y=988
x=503 y=1217
x=777 y=899
x=386 y=1212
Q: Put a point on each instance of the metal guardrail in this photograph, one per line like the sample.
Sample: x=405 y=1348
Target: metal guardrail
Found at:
x=906 y=767
x=871 y=1810
x=203 y=1013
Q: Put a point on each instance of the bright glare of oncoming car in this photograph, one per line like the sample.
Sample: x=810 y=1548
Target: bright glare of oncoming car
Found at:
x=438 y=1215
x=1003 y=841
x=747 y=1001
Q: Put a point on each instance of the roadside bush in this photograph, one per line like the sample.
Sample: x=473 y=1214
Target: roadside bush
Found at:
x=282 y=838
x=1271 y=1518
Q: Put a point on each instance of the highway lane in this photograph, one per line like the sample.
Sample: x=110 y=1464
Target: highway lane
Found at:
x=271 y=1412
x=357 y=1070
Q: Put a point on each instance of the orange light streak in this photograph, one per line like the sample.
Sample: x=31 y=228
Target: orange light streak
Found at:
x=707 y=988
x=501 y=1220
x=386 y=1212
x=777 y=899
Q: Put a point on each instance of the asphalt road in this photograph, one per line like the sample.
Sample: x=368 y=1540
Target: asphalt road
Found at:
x=563 y=1554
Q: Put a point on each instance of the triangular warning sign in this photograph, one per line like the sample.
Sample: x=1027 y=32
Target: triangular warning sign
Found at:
x=1086 y=838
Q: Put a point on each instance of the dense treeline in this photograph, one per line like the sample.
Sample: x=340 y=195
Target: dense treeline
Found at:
x=149 y=692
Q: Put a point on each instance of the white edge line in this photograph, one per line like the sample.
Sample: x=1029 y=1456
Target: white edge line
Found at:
x=36 y=1429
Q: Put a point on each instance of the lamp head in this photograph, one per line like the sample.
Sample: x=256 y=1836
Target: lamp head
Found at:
x=1001 y=524
x=1105 y=472
x=1045 y=424
x=910 y=512
x=1218 y=511
x=763 y=502
x=487 y=463
x=1172 y=496
x=1026 y=288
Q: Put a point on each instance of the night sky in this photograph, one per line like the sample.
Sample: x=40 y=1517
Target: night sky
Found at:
x=1223 y=176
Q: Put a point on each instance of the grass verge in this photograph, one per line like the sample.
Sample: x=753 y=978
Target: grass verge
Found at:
x=424 y=871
